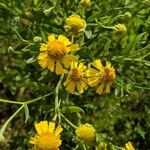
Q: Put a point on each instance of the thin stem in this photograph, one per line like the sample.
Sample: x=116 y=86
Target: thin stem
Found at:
x=20 y=36
x=71 y=124
x=27 y=102
x=84 y=147
x=57 y=111
x=72 y=39
x=7 y=122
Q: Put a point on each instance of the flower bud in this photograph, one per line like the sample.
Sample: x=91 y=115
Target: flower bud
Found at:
x=85 y=2
x=37 y=39
x=128 y=15
x=86 y=133
x=74 y=24
x=101 y=146
x=120 y=29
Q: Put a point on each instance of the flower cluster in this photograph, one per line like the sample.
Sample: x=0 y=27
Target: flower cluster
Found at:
x=58 y=55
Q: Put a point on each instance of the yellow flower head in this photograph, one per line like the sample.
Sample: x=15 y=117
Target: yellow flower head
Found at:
x=86 y=133
x=128 y=146
x=101 y=76
x=120 y=29
x=47 y=137
x=54 y=55
x=86 y=2
x=74 y=24
x=76 y=78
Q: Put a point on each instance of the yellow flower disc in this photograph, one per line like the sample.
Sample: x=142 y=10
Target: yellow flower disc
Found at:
x=85 y=133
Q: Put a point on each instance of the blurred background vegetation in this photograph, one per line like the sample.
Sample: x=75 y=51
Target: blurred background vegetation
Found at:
x=119 y=117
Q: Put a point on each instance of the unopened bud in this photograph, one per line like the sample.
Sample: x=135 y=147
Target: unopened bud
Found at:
x=85 y=2
x=128 y=15
x=37 y=39
x=120 y=29
x=10 y=49
x=48 y=11
x=101 y=146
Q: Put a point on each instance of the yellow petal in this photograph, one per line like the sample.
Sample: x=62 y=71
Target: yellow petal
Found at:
x=67 y=82
x=107 y=88
x=79 y=87
x=58 y=130
x=38 y=128
x=74 y=47
x=94 y=81
x=100 y=89
x=68 y=58
x=43 y=47
x=42 y=56
x=33 y=141
x=59 y=68
x=84 y=85
x=129 y=146
x=44 y=126
x=97 y=64
x=43 y=63
x=51 y=64
x=71 y=87
x=64 y=40
x=92 y=72
x=51 y=38
x=51 y=127
x=108 y=64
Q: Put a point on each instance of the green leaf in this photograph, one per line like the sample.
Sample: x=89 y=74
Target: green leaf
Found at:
x=71 y=109
x=31 y=60
x=26 y=112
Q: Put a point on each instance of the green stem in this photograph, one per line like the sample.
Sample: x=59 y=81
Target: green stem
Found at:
x=72 y=39
x=27 y=102
x=84 y=147
x=71 y=124
x=7 y=122
x=57 y=111
x=20 y=36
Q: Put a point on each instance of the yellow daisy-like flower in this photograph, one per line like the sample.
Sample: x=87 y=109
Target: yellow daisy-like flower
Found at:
x=86 y=2
x=86 y=133
x=54 y=55
x=76 y=78
x=101 y=76
x=47 y=137
x=128 y=146
x=74 y=24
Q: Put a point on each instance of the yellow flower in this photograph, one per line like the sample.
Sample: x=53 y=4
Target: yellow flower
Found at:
x=76 y=78
x=128 y=146
x=47 y=137
x=85 y=2
x=85 y=133
x=74 y=24
x=120 y=29
x=54 y=55
x=101 y=76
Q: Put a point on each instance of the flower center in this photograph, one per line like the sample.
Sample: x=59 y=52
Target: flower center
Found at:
x=109 y=76
x=56 y=50
x=75 y=75
x=48 y=141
